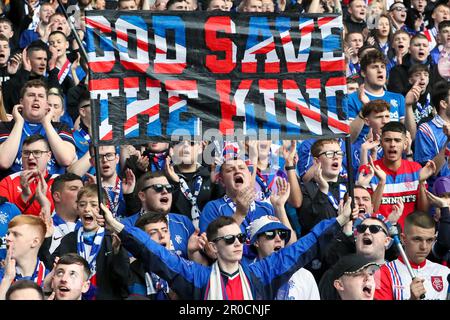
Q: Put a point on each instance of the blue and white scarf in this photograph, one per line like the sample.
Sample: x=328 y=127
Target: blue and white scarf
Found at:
x=95 y=246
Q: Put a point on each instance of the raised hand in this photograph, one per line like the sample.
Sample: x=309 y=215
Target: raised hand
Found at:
x=244 y=199
x=280 y=197
x=413 y=94
x=26 y=176
x=26 y=60
x=427 y=171
x=170 y=171
x=320 y=180
x=142 y=163
x=129 y=182
x=14 y=63
x=344 y=211
x=381 y=175
x=365 y=176
x=397 y=211
x=10 y=264
x=17 y=113
x=362 y=95
x=289 y=154
x=436 y=201
x=91 y=179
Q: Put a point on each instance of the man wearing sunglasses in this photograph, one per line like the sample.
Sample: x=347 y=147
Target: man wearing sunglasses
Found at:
x=155 y=194
x=397 y=12
x=431 y=278
x=20 y=188
x=227 y=278
x=268 y=235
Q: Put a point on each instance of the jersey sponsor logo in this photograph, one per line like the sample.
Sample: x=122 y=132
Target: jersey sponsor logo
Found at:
x=394 y=200
x=437 y=283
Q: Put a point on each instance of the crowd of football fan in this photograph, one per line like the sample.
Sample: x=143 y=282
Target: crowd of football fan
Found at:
x=268 y=219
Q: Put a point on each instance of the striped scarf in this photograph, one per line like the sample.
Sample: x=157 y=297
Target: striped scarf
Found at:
x=95 y=248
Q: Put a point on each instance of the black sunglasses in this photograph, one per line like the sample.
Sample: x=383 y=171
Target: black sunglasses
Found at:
x=270 y=235
x=373 y=228
x=230 y=239
x=159 y=187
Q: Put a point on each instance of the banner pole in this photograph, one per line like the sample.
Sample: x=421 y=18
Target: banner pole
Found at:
x=350 y=178
x=83 y=53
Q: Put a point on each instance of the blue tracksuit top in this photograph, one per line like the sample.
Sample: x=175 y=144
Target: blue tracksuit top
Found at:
x=190 y=279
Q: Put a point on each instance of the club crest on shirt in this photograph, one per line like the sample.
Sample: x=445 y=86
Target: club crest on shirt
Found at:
x=178 y=239
x=437 y=283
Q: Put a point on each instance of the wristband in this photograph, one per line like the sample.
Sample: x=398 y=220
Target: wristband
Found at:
x=360 y=116
x=289 y=168
x=410 y=155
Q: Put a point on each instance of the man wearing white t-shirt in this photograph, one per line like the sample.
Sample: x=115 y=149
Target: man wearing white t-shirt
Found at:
x=430 y=279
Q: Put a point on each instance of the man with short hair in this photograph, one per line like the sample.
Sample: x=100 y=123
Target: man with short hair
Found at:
x=431 y=278
x=65 y=217
x=24 y=290
x=397 y=12
x=155 y=194
x=143 y=283
x=356 y=21
x=353 y=278
x=28 y=36
x=376 y=114
x=250 y=6
x=20 y=187
x=178 y=5
x=354 y=41
x=373 y=70
x=69 y=279
x=25 y=236
x=441 y=12
x=239 y=199
x=228 y=278
x=405 y=180
x=127 y=5
x=419 y=53
x=32 y=116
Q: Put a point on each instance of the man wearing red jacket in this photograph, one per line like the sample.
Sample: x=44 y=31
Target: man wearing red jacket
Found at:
x=20 y=188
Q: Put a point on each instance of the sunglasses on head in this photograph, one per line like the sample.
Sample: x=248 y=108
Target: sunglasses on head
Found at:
x=373 y=228
x=230 y=239
x=270 y=235
x=159 y=187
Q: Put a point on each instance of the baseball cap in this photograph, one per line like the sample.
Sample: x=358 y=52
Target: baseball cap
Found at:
x=266 y=223
x=351 y=264
x=441 y=185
